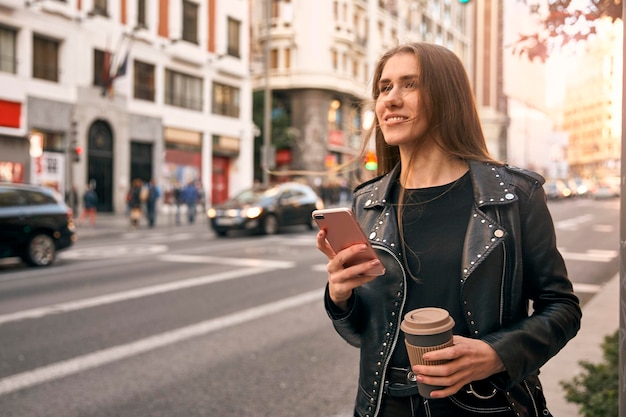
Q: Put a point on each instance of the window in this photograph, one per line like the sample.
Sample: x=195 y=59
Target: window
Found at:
x=225 y=100
x=45 y=58
x=143 y=83
x=141 y=14
x=274 y=59
x=100 y=7
x=99 y=70
x=183 y=90
x=234 y=30
x=275 y=9
x=287 y=58
x=334 y=115
x=7 y=49
x=190 y=22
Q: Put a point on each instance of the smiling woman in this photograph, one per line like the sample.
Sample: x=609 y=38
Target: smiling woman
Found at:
x=457 y=230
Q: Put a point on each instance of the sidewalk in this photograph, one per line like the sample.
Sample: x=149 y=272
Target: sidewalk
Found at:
x=600 y=318
x=111 y=223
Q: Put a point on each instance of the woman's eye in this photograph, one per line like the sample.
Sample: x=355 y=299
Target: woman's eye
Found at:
x=410 y=85
x=386 y=88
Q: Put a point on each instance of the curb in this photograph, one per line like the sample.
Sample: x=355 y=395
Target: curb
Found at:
x=600 y=318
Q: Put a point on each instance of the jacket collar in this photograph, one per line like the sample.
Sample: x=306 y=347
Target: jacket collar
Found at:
x=489 y=182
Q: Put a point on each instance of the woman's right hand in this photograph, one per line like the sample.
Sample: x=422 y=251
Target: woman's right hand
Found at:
x=342 y=280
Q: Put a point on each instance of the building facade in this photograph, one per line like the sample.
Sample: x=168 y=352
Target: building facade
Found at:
x=104 y=91
x=592 y=108
x=321 y=55
x=488 y=74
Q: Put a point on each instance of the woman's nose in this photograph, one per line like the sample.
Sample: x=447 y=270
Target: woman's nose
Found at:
x=393 y=97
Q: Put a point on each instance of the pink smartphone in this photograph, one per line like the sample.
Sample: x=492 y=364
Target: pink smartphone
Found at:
x=342 y=231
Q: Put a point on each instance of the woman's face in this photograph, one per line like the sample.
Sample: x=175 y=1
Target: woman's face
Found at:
x=398 y=106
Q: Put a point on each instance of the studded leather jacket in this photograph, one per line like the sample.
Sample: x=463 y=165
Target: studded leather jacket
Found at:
x=509 y=259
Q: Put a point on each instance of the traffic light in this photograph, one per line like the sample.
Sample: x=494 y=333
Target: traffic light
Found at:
x=76 y=152
x=371 y=162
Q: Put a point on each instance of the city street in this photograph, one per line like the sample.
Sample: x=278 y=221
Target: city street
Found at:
x=173 y=321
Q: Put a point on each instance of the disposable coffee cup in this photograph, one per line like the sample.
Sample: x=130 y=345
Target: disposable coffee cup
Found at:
x=426 y=329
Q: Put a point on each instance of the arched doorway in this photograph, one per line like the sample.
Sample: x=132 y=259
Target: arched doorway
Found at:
x=100 y=163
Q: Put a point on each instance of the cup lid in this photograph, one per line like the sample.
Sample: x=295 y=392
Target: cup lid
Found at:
x=427 y=320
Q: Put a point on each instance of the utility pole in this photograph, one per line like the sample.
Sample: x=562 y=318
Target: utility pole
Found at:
x=622 y=292
x=70 y=143
x=267 y=106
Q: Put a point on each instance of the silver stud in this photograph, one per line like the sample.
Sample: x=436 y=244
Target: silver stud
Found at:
x=509 y=196
x=372 y=235
x=498 y=233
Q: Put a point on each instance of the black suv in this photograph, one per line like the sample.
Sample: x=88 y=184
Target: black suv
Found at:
x=265 y=210
x=35 y=223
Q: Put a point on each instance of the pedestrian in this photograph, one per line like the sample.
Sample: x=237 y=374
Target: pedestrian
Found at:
x=134 y=202
x=71 y=199
x=454 y=229
x=190 y=197
x=178 y=201
x=153 y=194
x=90 y=206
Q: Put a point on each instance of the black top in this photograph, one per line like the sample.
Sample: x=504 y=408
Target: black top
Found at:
x=434 y=223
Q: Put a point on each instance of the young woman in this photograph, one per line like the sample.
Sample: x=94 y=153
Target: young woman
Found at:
x=454 y=229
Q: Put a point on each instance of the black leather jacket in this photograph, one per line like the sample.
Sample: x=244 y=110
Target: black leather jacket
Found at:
x=509 y=258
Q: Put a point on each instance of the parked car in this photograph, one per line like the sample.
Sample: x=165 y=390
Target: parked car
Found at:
x=35 y=223
x=266 y=210
x=557 y=189
x=606 y=188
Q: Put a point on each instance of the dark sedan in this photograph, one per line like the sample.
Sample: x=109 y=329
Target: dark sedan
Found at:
x=266 y=210
x=35 y=223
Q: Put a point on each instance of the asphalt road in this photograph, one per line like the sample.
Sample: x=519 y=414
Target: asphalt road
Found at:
x=174 y=322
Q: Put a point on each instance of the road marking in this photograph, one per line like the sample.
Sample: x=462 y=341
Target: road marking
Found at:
x=129 y=295
x=573 y=223
x=603 y=228
x=586 y=288
x=156 y=237
x=592 y=255
x=118 y=251
x=92 y=360
x=247 y=262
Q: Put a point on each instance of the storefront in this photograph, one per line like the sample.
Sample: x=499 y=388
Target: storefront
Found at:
x=15 y=158
x=225 y=148
x=183 y=159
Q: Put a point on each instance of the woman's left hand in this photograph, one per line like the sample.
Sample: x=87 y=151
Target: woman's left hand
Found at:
x=470 y=360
